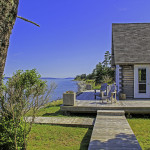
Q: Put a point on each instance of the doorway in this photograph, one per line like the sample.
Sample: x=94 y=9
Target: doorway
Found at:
x=142 y=81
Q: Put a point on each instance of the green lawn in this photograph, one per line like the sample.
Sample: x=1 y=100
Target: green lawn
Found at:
x=50 y=110
x=51 y=137
x=53 y=110
x=141 y=129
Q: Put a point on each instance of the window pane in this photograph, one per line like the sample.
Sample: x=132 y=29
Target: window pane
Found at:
x=142 y=88
x=142 y=80
x=142 y=75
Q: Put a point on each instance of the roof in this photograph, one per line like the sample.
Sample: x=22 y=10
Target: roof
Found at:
x=131 y=43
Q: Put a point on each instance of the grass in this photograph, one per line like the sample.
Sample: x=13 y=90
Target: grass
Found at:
x=97 y=87
x=141 y=129
x=52 y=137
x=53 y=110
x=94 y=86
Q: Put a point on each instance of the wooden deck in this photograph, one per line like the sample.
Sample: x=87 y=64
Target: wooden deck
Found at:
x=111 y=129
x=85 y=103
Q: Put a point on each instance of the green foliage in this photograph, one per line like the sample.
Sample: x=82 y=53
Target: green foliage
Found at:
x=90 y=76
x=103 y=73
x=69 y=92
x=8 y=133
x=22 y=93
x=26 y=82
x=80 y=77
x=107 y=59
x=98 y=72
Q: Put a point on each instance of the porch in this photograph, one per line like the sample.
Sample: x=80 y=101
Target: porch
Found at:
x=85 y=103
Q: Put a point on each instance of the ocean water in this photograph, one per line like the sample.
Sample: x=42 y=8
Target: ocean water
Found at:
x=63 y=85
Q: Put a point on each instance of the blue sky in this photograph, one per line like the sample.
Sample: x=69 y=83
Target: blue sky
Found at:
x=73 y=36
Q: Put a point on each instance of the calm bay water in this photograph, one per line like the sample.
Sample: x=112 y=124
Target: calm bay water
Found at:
x=63 y=85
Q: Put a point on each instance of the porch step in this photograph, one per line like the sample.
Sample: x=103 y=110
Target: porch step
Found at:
x=111 y=112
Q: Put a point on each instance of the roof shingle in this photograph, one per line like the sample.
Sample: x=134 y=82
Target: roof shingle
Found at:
x=131 y=43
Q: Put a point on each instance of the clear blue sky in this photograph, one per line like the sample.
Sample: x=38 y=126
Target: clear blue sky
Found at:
x=73 y=36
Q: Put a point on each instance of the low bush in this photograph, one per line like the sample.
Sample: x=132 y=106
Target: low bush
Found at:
x=23 y=92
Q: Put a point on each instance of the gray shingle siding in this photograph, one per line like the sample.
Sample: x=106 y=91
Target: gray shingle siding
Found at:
x=131 y=43
x=128 y=80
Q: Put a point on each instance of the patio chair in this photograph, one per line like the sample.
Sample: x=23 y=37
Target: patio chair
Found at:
x=102 y=93
x=112 y=93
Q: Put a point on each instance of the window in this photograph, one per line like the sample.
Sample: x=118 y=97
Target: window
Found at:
x=142 y=80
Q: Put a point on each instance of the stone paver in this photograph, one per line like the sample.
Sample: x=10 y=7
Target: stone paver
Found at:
x=112 y=132
x=64 y=121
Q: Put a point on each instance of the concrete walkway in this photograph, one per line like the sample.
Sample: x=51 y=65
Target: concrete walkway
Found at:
x=112 y=132
x=64 y=121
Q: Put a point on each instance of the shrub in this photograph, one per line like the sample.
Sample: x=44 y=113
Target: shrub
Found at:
x=69 y=92
x=23 y=92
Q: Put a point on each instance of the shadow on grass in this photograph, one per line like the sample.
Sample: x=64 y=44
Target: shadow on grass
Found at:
x=83 y=115
x=86 y=140
x=57 y=113
x=137 y=116
x=53 y=105
x=68 y=114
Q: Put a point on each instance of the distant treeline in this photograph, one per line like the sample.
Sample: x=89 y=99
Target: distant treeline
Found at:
x=103 y=73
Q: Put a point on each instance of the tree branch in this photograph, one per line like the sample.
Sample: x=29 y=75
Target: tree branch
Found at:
x=28 y=20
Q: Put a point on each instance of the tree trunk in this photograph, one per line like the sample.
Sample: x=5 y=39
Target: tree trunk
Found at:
x=8 y=14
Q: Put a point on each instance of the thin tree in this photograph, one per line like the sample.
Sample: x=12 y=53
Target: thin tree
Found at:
x=8 y=15
x=107 y=59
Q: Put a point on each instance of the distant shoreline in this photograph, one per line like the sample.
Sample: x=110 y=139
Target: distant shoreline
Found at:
x=46 y=78
x=54 y=78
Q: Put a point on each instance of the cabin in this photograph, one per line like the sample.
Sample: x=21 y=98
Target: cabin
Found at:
x=131 y=58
